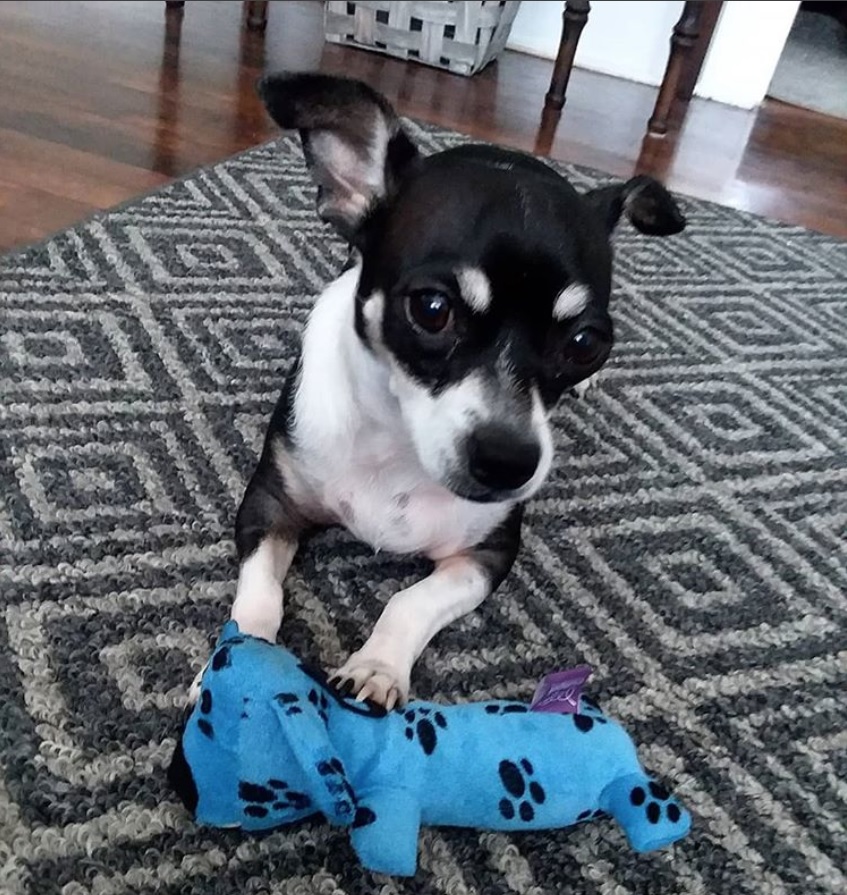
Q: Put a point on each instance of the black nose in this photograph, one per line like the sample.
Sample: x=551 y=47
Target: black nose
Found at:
x=502 y=458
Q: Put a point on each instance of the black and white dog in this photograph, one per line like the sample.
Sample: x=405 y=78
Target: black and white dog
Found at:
x=416 y=415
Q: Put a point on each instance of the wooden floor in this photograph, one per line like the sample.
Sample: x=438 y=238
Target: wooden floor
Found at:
x=102 y=101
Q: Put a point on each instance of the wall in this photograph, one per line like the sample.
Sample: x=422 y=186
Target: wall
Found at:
x=631 y=40
x=745 y=51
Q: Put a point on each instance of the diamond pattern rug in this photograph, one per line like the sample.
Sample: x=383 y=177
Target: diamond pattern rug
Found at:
x=690 y=546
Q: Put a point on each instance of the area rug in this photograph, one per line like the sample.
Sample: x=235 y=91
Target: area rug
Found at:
x=690 y=547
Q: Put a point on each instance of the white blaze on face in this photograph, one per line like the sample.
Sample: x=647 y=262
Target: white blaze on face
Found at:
x=439 y=424
x=571 y=301
x=541 y=430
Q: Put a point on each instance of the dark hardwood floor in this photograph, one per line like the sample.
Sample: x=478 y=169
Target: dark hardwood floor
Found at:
x=102 y=101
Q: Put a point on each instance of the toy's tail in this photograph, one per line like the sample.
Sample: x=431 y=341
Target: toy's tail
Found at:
x=650 y=817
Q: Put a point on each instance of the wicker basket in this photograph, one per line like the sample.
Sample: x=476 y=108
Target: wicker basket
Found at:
x=460 y=36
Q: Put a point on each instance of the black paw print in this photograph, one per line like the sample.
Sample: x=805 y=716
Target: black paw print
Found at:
x=292 y=703
x=221 y=659
x=364 y=817
x=525 y=793
x=661 y=798
x=321 y=703
x=335 y=780
x=427 y=734
x=505 y=708
x=588 y=716
x=275 y=795
x=590 y=815
x=204 y=724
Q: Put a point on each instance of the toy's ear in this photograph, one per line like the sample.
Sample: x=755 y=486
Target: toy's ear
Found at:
x=307 y=737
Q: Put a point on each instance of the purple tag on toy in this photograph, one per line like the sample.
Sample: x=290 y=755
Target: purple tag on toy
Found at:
x=559 y=691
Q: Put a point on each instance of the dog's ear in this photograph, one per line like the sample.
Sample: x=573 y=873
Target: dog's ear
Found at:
x=352 y=139
x=647 y=204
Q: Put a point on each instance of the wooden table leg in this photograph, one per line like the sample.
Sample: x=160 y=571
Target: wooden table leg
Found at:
x=573 y=21
x=256 y=14
x=697 y=55
x=684 y=37
x=174 y=4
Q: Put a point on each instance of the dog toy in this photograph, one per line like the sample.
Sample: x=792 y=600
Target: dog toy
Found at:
x=270 y=742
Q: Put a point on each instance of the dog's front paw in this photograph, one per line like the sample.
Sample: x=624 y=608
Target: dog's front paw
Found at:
x=372 y=679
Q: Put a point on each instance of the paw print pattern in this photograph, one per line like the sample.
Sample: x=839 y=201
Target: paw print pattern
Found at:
x=506 y=708
x=524 y=793
x=335 y=780
x=292 y=703
x=364 y=817
x=423 y=727
x=204 y=724
x=221 y=659
x=584 y=816
x=660 y=799
x=320 y=702
x=260 y=799
x=588 y=716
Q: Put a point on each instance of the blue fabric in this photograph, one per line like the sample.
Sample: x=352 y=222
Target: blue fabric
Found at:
x=269 y=743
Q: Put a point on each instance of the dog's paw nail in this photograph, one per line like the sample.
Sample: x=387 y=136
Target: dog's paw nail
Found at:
x=392 y=700
x=364 y=694
x=373 y=681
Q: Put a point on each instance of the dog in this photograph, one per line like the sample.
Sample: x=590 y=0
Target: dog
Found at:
x=416 y=414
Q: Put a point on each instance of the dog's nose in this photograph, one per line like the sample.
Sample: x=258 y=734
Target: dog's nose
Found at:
x=502 y=458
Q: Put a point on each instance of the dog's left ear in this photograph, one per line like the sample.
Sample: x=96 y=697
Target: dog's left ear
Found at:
x=352 y=139
x=648 y=205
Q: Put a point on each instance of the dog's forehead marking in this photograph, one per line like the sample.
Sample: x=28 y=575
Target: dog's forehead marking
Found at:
x=571 y=301
x=476 y=288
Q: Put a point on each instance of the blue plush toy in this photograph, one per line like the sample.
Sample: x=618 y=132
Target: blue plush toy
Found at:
x=269 y=743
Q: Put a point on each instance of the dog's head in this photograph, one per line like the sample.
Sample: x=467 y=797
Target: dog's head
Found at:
x=485 y=277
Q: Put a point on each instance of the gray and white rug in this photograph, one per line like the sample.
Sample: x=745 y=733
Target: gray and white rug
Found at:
x=691 y=547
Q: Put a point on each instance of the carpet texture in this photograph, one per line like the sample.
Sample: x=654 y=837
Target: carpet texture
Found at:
x=690 y=546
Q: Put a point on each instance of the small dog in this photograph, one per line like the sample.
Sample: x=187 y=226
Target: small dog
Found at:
x=416 y=414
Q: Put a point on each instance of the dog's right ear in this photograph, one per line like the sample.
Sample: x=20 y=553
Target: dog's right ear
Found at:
x=352 y=139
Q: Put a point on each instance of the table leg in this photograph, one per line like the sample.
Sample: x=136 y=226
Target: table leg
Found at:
x=256 y=14
x=685 y=34
x=573 y=21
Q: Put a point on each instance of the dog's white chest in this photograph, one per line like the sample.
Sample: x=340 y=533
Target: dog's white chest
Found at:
x=383 y=498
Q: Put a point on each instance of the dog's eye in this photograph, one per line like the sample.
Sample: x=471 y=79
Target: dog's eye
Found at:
x=586 y=347
x=429 y=310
